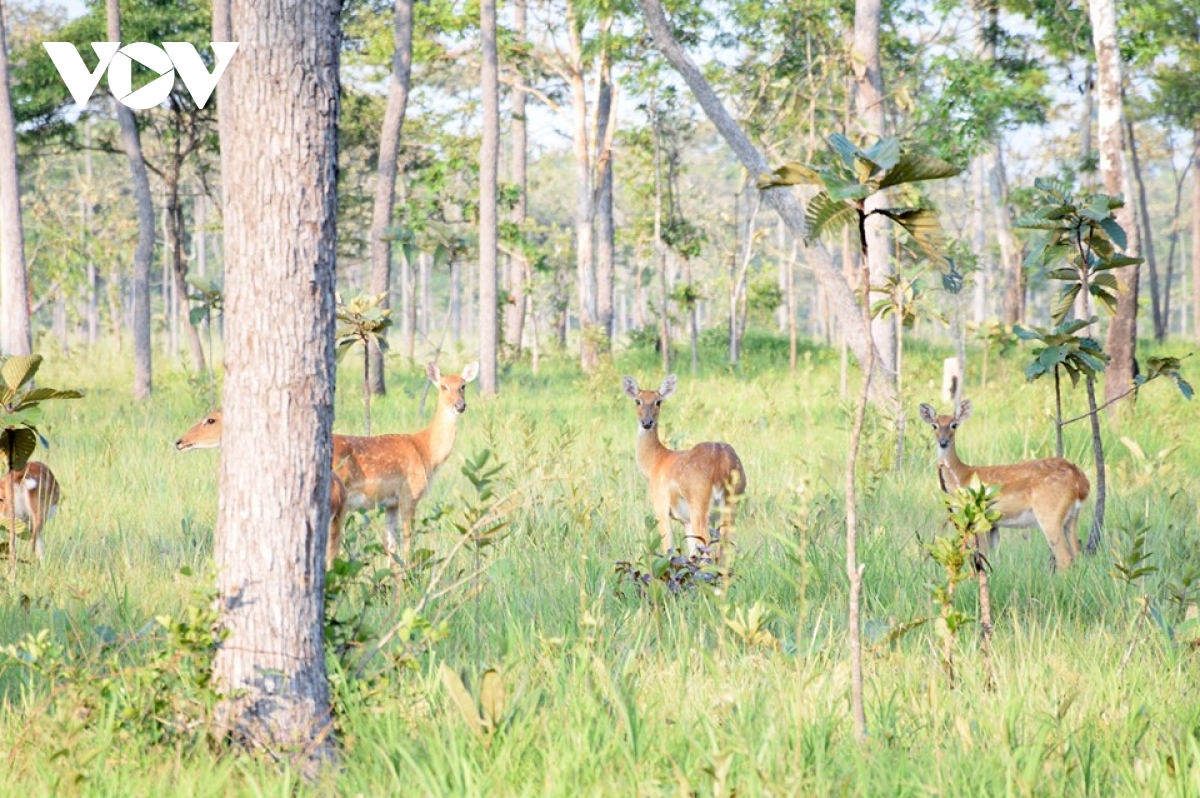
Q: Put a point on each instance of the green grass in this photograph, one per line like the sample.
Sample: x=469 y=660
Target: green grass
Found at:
x=612 y=694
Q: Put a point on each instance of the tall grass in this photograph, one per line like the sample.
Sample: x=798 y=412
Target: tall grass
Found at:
x=609 y=693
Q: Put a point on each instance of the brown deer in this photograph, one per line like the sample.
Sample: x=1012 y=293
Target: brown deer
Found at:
x=206 y=434
x=32 y=494
x=686 y=485
x=1046 y=493
x=395 y=471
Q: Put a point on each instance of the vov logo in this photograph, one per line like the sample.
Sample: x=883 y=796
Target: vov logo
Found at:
x=164 y=61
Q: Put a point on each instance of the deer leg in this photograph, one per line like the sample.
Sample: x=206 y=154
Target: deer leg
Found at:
x=1070 y=530
x=662 y=512
x=334 y=544
x=35 y=534
x=391 y=516
x=698 y=518
x=1052 y=528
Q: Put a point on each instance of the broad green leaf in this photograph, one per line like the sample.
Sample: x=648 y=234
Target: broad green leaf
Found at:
x=1115 y=232
x=923 y=225
x=827 y=215
x=1052 y=356
x=198 y=314
x=1105 y=298
x=1106 y=280
x=1063 y=303
x=41 y=394
x=1026 y=334
x=845 y=148
x=1063 y=274
x=790 y=174
x=1116 y=262
x=848 y=190
x=20 y=369
x=914 y=167
x=21 y=442
x=441 y=256
x=884 y=153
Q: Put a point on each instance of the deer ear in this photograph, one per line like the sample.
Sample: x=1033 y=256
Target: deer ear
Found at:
x=434 y=373
x=927 y=414
x=668 y=386
x=470 y=372
x=964 y=411
x=630 y=385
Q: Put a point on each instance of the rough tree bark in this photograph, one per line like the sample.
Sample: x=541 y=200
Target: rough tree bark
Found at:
x=489 y=164
x=15 y=335
x=144 y=254
x=281 y=100
x=514 y=316
x=385 y=172
x=869 y=105
x=1010 y=260
x=1122 y=332
x=784 y=202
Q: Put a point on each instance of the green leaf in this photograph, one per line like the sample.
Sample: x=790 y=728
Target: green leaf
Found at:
x=20 y=369
x=1108 y=300
x=1026 y=334
x=1116 y=262
x=914 y=167
x=923 y=225
x=845 y=148
x=1115 y=232
x=1052 y=355
x=198 y=314
x=22 y=441
x=441 y=256
x=847 y=190
x=884 y=153
x=1063 y=303
x=790 y=174
x=41 y=394
x=824 y=214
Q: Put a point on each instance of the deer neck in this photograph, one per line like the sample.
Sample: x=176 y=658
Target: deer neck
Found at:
x=437 y=440
x=948 y=462
x=650 y=450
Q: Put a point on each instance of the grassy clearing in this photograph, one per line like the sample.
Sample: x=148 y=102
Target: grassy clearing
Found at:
x=609 y=693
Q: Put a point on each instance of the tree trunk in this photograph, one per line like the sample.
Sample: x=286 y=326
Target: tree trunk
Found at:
x=1196 y=233
x=385 y=173
x=979 y=306
x=660 y=249
x=455 y=300
x=606 y=239
x=425 y=292
x=144 y=254
x=1010 y=259
x=1142 y=215
x=175 y=236
x=514 y=321
x=489 y=164
x=585 y=208
x=869 y=105
x=16 y=337
x=1122 y=332
x=280 y=241
x=784 y=202
x=1085 y=126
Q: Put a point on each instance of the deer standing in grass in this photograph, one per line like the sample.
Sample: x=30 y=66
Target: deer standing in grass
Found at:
x=33 y=491
x=1046 y=493
x=206 y=434
x=395 y=471
x=686 y=485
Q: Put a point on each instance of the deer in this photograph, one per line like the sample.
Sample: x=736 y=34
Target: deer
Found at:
x=1045 y=493
x=206 y=434
x=395 y=471
x=686 y=485
x=31 y=494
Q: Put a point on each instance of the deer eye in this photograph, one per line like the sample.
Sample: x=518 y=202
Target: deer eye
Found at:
x=954 y=425
x=658 y=402
x=208 y=421
x=637 y=402
x=935 y=426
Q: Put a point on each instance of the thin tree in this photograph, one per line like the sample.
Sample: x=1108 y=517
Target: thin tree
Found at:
x=280 y=249
x=489 y=160
x=514 y=321
x=15 y=335
x=385 y=172
x=144 y=254
x=1122 y=333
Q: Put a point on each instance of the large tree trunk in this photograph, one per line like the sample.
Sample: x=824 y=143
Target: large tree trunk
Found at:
x=606 y=239
x=869 y=104
x=1010 y=257
x=179 y=266
x=489 y=165
x=1122 y=333
x=514 y=312
x=282 y=106
x=144 y=254
x=781 y=199
x=585 y=203
x=16 y=337
x=385 y=173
